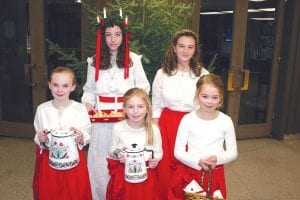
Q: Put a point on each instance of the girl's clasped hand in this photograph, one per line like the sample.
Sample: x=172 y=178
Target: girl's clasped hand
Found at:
x=209 y=162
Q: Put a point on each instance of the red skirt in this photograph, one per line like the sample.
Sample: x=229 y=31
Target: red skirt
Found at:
x=184 y=175
x=119 y=189
x=52 y=184
x=168 y=123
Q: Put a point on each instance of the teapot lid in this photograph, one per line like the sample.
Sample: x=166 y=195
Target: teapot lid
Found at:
x=134 y=149
x=62 y=132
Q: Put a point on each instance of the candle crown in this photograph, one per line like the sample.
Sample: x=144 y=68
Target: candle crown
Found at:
x=111 y=21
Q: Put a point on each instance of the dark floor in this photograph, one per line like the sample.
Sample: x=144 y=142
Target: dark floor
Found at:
x=265 y=169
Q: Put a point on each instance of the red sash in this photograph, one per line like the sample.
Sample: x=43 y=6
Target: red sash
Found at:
x=50 y=184
x=110 y=99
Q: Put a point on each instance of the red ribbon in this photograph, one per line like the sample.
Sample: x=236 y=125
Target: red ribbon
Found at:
x=126 y=61
x=98 y=54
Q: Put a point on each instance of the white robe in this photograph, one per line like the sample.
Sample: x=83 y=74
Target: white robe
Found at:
x=75 y=115
x=175 y=92
x=205 y=138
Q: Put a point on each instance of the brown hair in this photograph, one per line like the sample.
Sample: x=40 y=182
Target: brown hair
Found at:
x=170 y=62
x=148 y=119
x=64 y=69
x=211 y=79
x=106 y=55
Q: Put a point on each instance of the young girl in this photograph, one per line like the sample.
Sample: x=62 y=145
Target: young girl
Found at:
x=173 y=90
x=110 y=74
x=206 y=139
x=61 y=113
x=137 y=128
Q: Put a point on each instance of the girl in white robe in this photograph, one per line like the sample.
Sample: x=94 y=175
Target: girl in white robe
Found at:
x=110 y=74
x=205 y=142
x=61 y=113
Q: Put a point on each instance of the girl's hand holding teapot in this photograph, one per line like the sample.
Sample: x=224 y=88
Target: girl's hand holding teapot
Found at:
x=152 y=163
x=79 y=136
x=42 y=136
x=120 y=155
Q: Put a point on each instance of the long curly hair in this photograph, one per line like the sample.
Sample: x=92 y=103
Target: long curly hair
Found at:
x=170 y=63
x=106 y=55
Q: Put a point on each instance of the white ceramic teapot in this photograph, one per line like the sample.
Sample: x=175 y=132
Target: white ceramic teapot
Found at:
x=63 y=152
x=135 y=164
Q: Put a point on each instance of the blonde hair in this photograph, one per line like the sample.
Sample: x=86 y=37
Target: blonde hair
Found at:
x=148 y=119
x=210 y=79
x=64 y=69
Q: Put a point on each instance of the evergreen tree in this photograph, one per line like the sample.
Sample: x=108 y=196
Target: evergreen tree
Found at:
x=152 y=24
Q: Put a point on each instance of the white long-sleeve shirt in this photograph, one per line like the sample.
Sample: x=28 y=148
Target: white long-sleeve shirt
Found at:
x=75 y=115
x=124 y=136
x=205 y=138
x=175 y=92
x=111 y=83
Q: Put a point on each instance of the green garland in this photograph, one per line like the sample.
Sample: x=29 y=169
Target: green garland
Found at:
x=111 y=21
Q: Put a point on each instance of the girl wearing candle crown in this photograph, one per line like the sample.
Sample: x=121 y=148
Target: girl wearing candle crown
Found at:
x=111 y=72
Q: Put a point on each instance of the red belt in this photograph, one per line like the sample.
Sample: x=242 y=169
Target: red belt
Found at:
x=110 y=99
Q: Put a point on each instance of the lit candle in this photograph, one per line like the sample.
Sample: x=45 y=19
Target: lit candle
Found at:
x=104 y=12
x=98 y=19
x=120 y=12
x=126 y=19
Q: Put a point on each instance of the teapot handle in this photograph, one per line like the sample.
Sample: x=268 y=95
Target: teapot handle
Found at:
x=152 y=152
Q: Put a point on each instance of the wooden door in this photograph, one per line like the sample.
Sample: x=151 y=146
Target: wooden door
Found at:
x=23 y=69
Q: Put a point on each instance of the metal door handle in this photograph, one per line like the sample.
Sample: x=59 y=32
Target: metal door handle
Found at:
x=246 y=79
x=28 y=74
x=229 y=82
